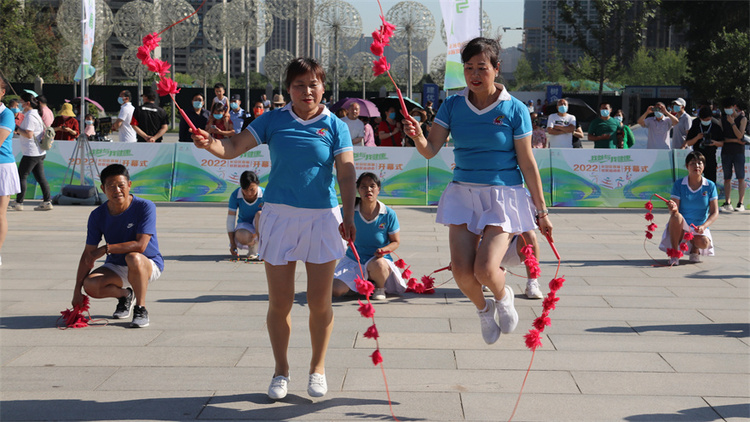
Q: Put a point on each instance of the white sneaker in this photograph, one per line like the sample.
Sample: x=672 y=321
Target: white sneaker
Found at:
x=317 y=385
x=740 y=208
x=489 y=320
x=727 y=207
x=278 y=388
x=507 y=315
x=695 y=258
x=673 y=262
x=379 y=294
x=486 y=289
x=44 y=206
x=15 y=206
x=532 y=289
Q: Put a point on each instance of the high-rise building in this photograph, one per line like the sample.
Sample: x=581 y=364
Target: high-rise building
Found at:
x=541 y=46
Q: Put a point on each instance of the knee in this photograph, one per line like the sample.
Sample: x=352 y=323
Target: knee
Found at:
x=379 y=265
x=462 y=273
x=701 y=242
x=339 y=288
x=93 y=288
x=135 y=260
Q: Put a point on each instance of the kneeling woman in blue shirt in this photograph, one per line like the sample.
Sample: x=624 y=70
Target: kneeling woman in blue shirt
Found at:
x=377 y=235
x=694 y=205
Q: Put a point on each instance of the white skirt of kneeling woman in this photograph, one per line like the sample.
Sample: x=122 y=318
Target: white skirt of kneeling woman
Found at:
x=348 y=269
x=667 y=243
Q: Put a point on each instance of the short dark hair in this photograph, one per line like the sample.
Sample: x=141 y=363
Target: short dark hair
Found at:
x=218 y=106
x=480 y=45
x=605 y=103
x=13 y=102
x=705 y=111
x=125 y=93
x=150 y=95
x=4 y=83
x=41 y=99
x=113 y=170
x=301 y=66
x=198 y=95
x=372 y=176
x=247 y=178
x=695 y=155
x=728 y=102
x=220 y=85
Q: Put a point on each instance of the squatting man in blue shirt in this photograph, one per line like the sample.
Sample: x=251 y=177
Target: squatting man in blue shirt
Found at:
x=128 y=224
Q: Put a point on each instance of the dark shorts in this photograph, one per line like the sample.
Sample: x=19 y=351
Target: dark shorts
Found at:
x=734 y=160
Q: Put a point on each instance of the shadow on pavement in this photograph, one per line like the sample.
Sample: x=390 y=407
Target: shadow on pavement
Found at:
x=708 y=413
x=185 y=408
x=736 y=330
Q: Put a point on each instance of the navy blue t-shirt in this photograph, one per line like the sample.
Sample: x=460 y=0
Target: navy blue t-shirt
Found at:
x=139 y=218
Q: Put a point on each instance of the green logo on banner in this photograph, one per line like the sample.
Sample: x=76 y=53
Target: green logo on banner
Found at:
x=461 y=5
x=610 y=159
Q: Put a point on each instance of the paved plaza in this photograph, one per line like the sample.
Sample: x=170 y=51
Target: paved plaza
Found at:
x=629 y=340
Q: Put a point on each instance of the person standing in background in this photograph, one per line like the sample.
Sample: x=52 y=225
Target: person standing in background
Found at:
x=680 y=130
x=122 y=124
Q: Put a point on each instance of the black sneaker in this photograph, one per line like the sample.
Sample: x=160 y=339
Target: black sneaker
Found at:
x=125 y=305
x=140 y=317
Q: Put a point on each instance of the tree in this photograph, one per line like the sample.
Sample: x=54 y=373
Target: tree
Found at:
x=524 y=74
x=655 y=67
x=554 y=69
x=615 y=32
x=717 y=34
x=28 y=45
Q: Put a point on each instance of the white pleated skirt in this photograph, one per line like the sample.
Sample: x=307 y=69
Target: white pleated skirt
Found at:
x=9 y=182
x=667 y=243
x=478 y=206
x=348 y=269
x=289 y=234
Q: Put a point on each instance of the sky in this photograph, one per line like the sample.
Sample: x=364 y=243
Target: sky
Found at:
x=503 y=13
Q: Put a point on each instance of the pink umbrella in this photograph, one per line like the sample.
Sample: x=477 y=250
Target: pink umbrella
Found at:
x=366 y=108
x=77 y=100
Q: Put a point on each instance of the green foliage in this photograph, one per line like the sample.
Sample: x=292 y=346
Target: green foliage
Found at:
x=724 y=70
x=28 y=45
x=656 y=67
x=525 y=75
x=554 y=69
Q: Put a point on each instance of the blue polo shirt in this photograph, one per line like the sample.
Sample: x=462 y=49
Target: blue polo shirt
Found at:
x=484 y=149
x=7 y=121
x=246 y=209
x=373 y=235
x=694 y=204
x=303 y=153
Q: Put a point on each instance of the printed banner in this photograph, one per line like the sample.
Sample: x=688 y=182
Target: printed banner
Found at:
x=609 y=177
x=199 y=176
x=402 y=173
x=89 y=29
x=150 y=166
x=462 y=23
x=440 y=173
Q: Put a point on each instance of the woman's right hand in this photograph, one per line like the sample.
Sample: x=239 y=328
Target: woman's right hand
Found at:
x=672 y=207
x=411 y=127
x=77 y=298
x=545 y=226
x=201 y=138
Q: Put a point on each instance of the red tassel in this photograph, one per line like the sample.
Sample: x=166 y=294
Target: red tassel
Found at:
x=428 y=281
x=684 y=247
x=649 y=216
x=649 y=206
x=366 y=309
x=688 y=236
x=407 y=273
x=542 y=322
x=649 y=235
x=651 y=227
x=556 y=284
x=533 y=339
x=376 y=357
x=364 y=287
x=400 y=264
x=550 y=301
x=372 y=332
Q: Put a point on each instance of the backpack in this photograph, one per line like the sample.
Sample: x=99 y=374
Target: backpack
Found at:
x=46 y=138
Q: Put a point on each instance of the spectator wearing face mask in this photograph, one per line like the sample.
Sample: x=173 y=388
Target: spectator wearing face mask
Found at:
x=658 y=126
x=560 y=126
x=197 y=115
x=389 y=130
x=704 y=136
x=680 y=130
x=421 y=117
x=625 y=137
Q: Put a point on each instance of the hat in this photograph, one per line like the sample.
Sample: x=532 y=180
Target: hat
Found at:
x=235 y=97
x=679 y=101
x=67 y=110
x=278 y=99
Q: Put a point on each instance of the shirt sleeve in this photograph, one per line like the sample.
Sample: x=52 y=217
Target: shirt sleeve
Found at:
x=93 y=233
x=147 y=223
x=233 y=202
x=551 y=121
x=676 y=189
x=259 y=128
x=694 y=129
x=443 y=117
x=7 y=121
x=342 y=139
x=522 y=127
x=393 y=226
x=714 y=194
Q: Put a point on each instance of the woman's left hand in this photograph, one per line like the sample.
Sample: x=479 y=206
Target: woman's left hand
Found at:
x=545 y=226
x=700 y=229
x=347 y=229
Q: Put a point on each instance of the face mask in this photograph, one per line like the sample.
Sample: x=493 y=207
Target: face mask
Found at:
x=562 y=109
x=197 y=104
x=676 y=108
x=618 y=118
x=706 y=122
x=658 y=114
x=417 y=118
x=15 y=110
x=716 y=112
x=604 y=113
x=218 y=116
x=120 y=100
x=234 y=106
x=89 y=122
x=728 y=111
x=391 y=116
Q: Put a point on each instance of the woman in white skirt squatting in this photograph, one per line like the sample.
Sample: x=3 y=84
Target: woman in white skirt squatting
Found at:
x=694 y=205
x=486 y=199
x=301 y=219
x=377 y=235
